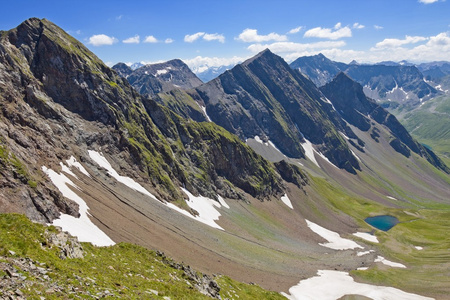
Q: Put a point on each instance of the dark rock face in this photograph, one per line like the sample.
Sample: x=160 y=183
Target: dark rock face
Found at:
x=156 y=78
x=57 y=99
x=264 y=97
x=122 y=69
x=348 y=98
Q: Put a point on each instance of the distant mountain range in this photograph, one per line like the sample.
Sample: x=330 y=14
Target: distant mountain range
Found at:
x=396 y=85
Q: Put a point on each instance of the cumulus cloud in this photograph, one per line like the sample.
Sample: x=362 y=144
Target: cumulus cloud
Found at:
x=214 y=37
x=200 y=63
x=329 y=33
x=295 y=30
x=436 y=48
x=252 y=36
x=428 y=1
x=285 y=47
x=394 y=43
x=189 y=38
x=150 y=39
x=168 y=41
x=358 y=26
x=377 y=27
x=132 y=40
x=102 y=40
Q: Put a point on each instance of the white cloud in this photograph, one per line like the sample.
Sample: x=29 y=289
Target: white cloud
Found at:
x=377 y=27
x=101 y=40
x=295 y=30
x=393 y=43
x=328 y=33
x=189 y=38
x=150 y=39
x=168 y=41
x=436 y=48
x=132 y=40
x=252 y=36
x=200 y=63
x=358 y=26
x=214 y=37
x=428 y=1
x=118 y=18
x=285 y=47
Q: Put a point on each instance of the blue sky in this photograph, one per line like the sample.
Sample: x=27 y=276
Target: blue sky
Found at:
x=223 y=32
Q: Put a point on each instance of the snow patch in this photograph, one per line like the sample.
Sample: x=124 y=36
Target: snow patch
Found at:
x=206 y=208
x=222 y=202
x=309 y=151
x=354 y=154
x=364 y=252
x=362 y=268
x=367 y=236
x=334 y=239
x=203 y=108
x=81 y=227
x=258 y=139
x=418 y=247
x=392 y=198
x=287 y=201
x=72 y=162
x=161 y=72
x=331 y=285
x=383 y=260
x=102 y=162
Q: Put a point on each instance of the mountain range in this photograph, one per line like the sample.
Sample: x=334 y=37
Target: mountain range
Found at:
x=244 y=175
x=394 y=84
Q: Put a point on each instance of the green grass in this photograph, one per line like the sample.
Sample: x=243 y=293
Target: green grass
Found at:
x=427 y=270
x=125 y=270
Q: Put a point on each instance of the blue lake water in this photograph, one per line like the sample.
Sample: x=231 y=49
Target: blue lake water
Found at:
x=382 y=222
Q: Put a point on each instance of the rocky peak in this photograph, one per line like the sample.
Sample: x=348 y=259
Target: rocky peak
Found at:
x=152 y=79
x=123 y=70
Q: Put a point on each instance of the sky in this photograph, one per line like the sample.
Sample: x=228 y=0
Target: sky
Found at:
x=214 y=33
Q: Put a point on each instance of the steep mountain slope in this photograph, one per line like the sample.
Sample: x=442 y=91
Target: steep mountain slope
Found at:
x=162 y=77
x=348 y=97
x=391 y=83
x=429 y=124
x=58 y=99
x=264 y=97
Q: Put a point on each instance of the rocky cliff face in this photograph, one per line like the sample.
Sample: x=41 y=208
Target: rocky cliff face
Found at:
x=58 y=100
x=264 y=97
x=348 y=98
x=152 y=79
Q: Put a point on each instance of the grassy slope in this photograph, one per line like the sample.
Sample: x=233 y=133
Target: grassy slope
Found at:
x=125 y=270
x=430 y=124
x=427 y=270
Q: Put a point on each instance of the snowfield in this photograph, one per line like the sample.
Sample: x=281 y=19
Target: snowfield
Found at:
x=332 y=285
x=366 y=236
x=287 y=201
x=334 y=239
x=81 y=227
